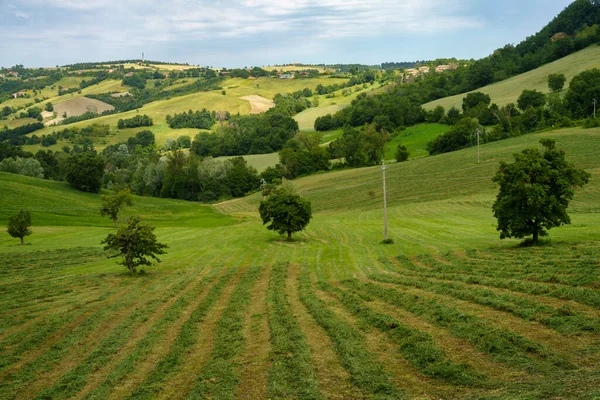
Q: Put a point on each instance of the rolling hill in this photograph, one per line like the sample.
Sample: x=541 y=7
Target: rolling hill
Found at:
x=348 y=315
x=509 y=90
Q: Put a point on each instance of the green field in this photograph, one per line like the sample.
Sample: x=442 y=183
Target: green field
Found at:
x=234 y=311
x=509 y=90
x=415 y=139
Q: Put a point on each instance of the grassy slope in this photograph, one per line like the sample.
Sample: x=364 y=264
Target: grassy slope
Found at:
x=509 y=90
x=415 y=139
x=381 y=325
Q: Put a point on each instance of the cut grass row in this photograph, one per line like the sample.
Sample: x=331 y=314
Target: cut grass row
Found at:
x=366 y=372
x=184 y=341
x=563 y=320
x=221 y=375
x=292 y=374
x=144 y=347
x=502 y=345
x=416 y=346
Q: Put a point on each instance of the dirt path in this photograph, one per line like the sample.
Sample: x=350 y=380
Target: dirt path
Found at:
x=258 y=104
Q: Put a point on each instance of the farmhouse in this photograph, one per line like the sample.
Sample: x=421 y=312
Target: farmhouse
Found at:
x=449 y=67
x=412 y=72
x=18 y=94
x=12 y=73
x=286 y=76
x=424 y=70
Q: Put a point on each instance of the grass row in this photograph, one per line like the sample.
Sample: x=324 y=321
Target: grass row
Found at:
x=185 y=340
x=581 y=295
x=366 y=372
x=221 y=375
x=502 y=345
x=15 y=380
x=73 y=381
x=144 y=347
x=562 y=319
x=416 y=346
x=292 y=374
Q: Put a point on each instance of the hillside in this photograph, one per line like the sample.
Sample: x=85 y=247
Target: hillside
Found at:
x=335 y=307
x=509 y=90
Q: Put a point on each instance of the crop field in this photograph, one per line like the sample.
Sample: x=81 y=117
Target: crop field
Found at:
x=66 y=83
x=234 y=311
x=508 y=91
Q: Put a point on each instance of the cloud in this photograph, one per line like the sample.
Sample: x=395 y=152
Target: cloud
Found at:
x=285 y=24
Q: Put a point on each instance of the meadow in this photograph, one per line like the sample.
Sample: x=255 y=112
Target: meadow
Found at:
x=234 y=311
x=509 y=90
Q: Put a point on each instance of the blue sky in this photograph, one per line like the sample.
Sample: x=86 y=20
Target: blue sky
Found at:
x=242 y=33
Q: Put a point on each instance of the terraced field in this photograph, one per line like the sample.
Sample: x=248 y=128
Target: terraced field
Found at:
x=233 y=311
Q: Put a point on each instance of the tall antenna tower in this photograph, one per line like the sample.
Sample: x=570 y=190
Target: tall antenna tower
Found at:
x=142 y=57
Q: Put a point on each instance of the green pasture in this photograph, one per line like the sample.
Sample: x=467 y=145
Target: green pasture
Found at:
x=509 y=90
x=415 y=138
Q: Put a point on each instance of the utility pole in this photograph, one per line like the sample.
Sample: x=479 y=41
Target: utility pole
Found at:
x=478 y=133
x=595 y=102
x=385 y=230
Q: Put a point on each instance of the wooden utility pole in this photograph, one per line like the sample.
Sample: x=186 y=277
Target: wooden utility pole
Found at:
x=385 y=230
x=478 y=133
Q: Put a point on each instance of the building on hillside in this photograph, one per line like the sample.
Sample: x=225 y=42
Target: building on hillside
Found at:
x=13 y=73
x=412 y=72
x=449 y=67
x=286 y=76
x=424 y=70
x=18 y=94
x=129 y=74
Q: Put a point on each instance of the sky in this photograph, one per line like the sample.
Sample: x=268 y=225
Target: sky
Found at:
x=244 y=33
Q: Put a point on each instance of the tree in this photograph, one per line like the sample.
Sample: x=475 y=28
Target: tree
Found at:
x=401 y=153
x=285 y=212
x=472 y=100
x=556 y=82
x=535 y=192
x=111 y=205
x=19 y=225
x=84 y=171
x=584 y=88
x=49 y=107
x=136 y=243
x=531 y=98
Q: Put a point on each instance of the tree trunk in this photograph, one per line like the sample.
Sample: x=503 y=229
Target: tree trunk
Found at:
x=22 y=241
x=289 y=238
x=116 y=224
x=536 y=236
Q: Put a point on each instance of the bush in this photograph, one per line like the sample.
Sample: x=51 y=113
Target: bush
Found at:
x=402 y=153
x=135 y=122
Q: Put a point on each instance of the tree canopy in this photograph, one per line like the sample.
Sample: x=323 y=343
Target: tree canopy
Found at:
x=285 y=212
x=136 y=243
x=535 y=192
x=19 y=225
x=111 y=205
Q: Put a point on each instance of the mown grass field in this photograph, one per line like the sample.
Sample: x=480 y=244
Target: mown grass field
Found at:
x=233 y=311
x=508 y=91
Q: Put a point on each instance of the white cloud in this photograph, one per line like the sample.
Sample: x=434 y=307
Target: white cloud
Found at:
x=21 y=14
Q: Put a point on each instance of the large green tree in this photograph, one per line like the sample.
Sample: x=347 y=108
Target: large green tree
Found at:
x=584 y=88
x=556 y=82
x=535 y=192
x=136 y=243
x=84 y=171
x=19 y=225
x=285 y=211
x=112 y=204
x=531 y=98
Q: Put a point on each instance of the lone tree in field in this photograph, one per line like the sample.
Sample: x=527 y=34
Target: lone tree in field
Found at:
x=19 y=225
x=556 y=82
x=111 y=205
x=136 y=243
x=402 y=153
x=285 y=211
x=535 y=192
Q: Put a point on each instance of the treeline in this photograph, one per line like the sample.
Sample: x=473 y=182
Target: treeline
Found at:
x=246 y=134
x=16 y=136
x=192 y=119
x=532 y=112
x=135 y=122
